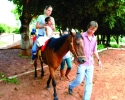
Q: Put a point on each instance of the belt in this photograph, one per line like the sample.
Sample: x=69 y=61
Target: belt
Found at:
x=40 y=35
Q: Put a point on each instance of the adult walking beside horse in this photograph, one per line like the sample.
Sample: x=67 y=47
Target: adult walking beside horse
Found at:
x=54 y=52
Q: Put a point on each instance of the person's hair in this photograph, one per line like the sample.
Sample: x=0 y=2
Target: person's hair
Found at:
x=48 y=7
x=93 y=24
x=47 y=19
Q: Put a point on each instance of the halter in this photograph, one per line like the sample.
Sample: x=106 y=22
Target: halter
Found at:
x=81 y=59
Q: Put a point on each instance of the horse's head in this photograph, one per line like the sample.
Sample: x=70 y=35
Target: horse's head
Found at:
x=77 y=47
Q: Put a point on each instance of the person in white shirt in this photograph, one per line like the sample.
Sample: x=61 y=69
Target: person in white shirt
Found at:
x=68 y=60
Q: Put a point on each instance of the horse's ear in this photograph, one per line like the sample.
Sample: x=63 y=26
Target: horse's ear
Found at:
x=73 y=32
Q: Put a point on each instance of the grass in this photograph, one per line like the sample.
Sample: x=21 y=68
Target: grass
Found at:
x=8 y=80
x=115 y=45
x=24 y=57
x=3 y=43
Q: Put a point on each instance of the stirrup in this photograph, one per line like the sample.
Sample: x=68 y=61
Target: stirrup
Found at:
x=40 y=56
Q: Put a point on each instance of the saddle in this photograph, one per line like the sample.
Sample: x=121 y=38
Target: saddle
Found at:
x=42 y=48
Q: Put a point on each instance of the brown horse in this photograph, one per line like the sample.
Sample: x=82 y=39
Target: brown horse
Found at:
x=53 y=54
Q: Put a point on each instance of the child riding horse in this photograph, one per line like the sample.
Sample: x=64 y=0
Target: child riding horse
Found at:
x=53 y=54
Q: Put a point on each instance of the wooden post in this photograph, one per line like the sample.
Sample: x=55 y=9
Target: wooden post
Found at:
x=13 y=37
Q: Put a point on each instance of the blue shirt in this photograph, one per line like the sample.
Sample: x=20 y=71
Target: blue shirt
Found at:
x=41 y=20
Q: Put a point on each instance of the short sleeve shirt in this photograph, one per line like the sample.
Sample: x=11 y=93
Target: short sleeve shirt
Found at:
x=41 y=20
x=90 y=46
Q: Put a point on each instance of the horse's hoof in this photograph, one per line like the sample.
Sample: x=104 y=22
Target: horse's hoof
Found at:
x=48 y=87
x=55 y=98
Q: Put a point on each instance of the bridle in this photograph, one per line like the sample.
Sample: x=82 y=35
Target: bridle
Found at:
x=80 y=58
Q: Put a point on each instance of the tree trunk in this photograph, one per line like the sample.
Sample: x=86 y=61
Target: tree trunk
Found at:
x=116 y=37
x=108 y=40
x=98 y=40
x=103 y=39
x=25 y=19
x=25 y=41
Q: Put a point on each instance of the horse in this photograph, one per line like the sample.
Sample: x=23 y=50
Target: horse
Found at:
x=53 y=54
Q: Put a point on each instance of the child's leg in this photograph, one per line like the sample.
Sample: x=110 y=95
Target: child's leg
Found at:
x=69 y=67
x=62 y=68
x=34 y=50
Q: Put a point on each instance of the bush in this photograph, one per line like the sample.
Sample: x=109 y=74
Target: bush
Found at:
x=16 y=31
x=115 y=46
x=112 y=39
x=8 y=29
x=100 y=46
x=2 y=29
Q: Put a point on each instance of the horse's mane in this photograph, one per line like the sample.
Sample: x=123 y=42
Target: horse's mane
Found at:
x=56 y=43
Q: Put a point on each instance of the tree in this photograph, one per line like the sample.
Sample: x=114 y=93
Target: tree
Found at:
x=27 y=10
x=75 y=14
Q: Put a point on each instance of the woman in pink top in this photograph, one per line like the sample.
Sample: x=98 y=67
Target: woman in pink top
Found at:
x=85 y=71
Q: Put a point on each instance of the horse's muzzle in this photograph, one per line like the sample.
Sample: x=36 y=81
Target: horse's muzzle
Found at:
x=81 y=60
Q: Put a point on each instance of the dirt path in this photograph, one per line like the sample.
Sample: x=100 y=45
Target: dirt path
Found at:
x=108 y=82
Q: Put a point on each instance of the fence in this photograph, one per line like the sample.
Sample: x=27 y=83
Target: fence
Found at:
x=10 y=37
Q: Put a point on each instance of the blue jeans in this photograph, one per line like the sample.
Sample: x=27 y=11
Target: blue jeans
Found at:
x=69 y=64
x=84 y=73
x=34 y=48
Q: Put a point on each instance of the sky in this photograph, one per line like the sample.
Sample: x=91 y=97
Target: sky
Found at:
x=6 y=16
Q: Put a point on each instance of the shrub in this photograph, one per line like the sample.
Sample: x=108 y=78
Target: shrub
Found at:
x=112 y=39
x=115 y=46
x=16 y=31
x=2 y=29
x=100 y=46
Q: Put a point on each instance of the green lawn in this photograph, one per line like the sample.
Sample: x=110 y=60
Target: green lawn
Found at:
x=3 y=43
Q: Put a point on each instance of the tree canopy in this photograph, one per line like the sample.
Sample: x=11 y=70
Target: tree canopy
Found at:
x=76 y=14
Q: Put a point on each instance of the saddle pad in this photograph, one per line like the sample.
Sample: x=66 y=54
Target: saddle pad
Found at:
x=41 y=41
x=44 y=46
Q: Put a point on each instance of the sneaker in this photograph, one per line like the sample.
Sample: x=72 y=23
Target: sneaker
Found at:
x=70 y=91
x=32 y=62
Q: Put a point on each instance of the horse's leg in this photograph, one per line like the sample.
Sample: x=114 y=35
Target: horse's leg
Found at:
x=35 y=65
x=48 y=83
x=54 y=87
x=42 y=71
x=52 y=71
